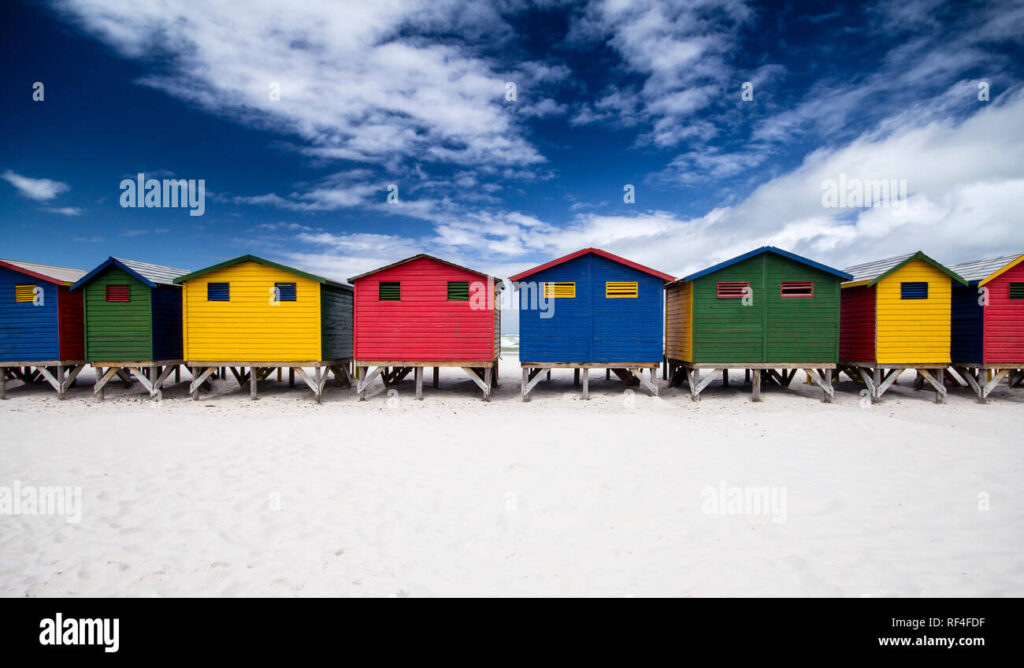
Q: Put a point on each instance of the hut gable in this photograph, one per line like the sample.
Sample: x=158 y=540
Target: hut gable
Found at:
x=765 y=306
x=600 y=308
x=39 y=319
x=425 y=309
x=132 y=312
x=252 y=310
x=988 y=313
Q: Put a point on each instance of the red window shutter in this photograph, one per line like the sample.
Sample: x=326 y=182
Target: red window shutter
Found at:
x=796 y=289
x=732 y=289
x=119 y=293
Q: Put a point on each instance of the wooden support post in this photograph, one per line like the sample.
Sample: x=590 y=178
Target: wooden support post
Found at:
x=318 y=372
x=3 y=384
x=253 y=379
x=522 y=386
x=756 y=392
x=280 y=371
x=575 y=377
x=419 y=383
x=488 y=382
x=876 y=384
x=437 y=376
x=60 y=382
x=586 y=383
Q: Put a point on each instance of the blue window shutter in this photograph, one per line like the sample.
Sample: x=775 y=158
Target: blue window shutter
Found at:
x=285 y=292
x=218 y=292
x=914 y=290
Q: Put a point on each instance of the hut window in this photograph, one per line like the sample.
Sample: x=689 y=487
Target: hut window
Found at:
x=1016 y=290
x=24 y=293
x=218 y=292
x=559 y=291
x=733 y=289
x=621 y=289
x=914 y=290
x=389 y=291
x=796 y=289
x=119 y=293
x=458 y=291
x=285 y=292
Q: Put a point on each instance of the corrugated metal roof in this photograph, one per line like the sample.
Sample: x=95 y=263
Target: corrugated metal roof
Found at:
x=154 y=272
x=981 y=269
x=58 y=274
x=872 y=270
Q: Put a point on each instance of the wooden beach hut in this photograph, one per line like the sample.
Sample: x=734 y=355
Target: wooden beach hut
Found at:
x=769 y=312
x=132 y=315
x=426 y=312
x=988 y=323
x=252 y=316
x=41 y=334
x=590 y=310
x=896 y=316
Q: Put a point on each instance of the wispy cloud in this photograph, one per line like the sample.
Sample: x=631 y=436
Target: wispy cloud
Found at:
x=38 y=189
x=64 y=210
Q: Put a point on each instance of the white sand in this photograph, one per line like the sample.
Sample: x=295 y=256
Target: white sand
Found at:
x=454 y=496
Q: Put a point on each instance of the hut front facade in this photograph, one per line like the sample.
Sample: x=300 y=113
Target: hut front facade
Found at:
x=590 y=309
x=988 y=323
x=896 y=316
x=426 y=312
x=767 y=311
x=41 y=332
x=252 y=316
x=132 y=315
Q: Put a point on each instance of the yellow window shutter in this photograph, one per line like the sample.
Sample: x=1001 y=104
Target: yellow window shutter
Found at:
x=621 y=289
x=24 y=293
x=559 y=290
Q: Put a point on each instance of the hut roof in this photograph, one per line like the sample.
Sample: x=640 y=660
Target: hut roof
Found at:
x=259 y=260
x=760 y=251
x=870 y=273
x=150 y=275
x=980 y=272
x=45 y=272
x=497 y=280
x=596 y=251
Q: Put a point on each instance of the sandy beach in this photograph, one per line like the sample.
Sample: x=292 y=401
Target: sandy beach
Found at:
x=455 y=496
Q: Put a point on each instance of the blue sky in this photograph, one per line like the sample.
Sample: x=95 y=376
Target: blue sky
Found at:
x=644 y=93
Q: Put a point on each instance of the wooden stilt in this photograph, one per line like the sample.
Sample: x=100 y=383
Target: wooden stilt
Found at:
x=756 y=392
x=252 y=383
x=419 y=383
x=586 y=383
x=575 y=377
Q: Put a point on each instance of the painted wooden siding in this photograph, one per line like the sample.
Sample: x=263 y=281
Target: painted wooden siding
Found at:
x=117 y=331
x=1004 y=320
x=72 y=324
x=626 y=329
x=249 y=328
x=336 y=321
x=28 y=332
x=857 y=324
x=800 y=329
x=967 y=331
x=724 y=330
x=566 y=335
x=423 y=325
x=167 y=326
x=914 y=330
x=678 y=322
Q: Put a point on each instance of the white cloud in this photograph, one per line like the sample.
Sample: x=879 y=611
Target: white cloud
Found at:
x=64 y=210
x=38 y=189
x=357 y=82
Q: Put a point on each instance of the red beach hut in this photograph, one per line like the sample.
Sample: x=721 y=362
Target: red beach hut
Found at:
x=426 y=312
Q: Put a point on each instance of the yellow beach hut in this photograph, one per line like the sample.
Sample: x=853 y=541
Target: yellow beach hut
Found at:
x=896 y=316
x=252 y=316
